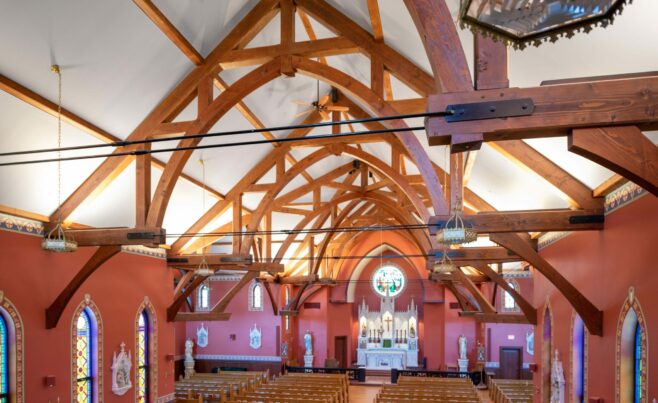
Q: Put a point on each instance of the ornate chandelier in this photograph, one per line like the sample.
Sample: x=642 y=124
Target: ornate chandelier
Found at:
x=445 y=265
x=455 y=232
x=55 y=240
x=523 y=22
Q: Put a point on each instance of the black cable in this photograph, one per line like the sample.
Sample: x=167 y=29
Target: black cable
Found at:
x=202 y=147
x=391 y=227
x=123 y=143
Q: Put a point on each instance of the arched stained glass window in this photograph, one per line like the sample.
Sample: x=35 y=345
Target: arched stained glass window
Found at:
x=508 y=302
x=287 y=296
x=388 y=281
x=83 y=358
x=4 y=361
x=203 y=297
x=578 y=359
x=637 y=361
x=256 y=297
x=143 y=358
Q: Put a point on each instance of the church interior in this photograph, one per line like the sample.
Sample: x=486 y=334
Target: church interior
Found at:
x=328 y=201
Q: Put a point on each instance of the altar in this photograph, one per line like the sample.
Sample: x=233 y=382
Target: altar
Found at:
x=388 y=339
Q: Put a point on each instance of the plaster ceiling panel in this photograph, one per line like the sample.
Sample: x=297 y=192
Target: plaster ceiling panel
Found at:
x=400 y=90
x=653 y=136
x=281 y=221
x=227 y=165
x=114 y=206
x=355 y=10
x=116 y=64
x=34 y=187
x=328 y=164
x=185 y=208
x=620 y=48
x=251 y=200
x=204 y=23
x=269 y=35
x=586 y=171
x=320 y=31
x=355 y=65
x=509 y=187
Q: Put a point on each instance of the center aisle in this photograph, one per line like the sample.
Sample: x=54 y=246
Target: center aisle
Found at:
x=363 y=394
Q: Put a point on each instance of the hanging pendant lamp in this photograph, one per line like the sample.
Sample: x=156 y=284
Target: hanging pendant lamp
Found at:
x=56 y=239
x=455 y=232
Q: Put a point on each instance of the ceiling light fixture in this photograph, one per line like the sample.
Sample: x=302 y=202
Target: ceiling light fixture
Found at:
x=523 y=22
x=203 y=269
x=55 y=240
x=455 y=232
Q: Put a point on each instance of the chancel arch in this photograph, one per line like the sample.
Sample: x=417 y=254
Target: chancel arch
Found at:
x=11 y=352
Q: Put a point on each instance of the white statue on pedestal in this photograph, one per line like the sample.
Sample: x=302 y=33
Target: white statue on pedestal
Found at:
x=189 y=359
x=308 y=343
x=121 y=371
x=462 y=347
x=557 y=380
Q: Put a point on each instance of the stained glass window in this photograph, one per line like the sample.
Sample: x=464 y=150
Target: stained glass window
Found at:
x=4 y=362
x=257 y=297
x=509 y=304
x=287 y=294
x=388 y=281
x=83 y=359
x=143 y=358
x=204 y=297
x=637 y=364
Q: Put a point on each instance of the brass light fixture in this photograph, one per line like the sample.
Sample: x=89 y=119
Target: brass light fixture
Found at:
x=56 y=240
x=523 y=22
x=445 y=265
x=455 y=232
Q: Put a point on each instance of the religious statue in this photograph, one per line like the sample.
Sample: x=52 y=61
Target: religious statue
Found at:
x=308 y=343
x=202 y=336
x=481 y=352
x=530 y=342
x=121 y=364
x=255 y=337
x=412 y=331
x=462 y=347
x=363 y=330
x=189 y=345
x=557 y=380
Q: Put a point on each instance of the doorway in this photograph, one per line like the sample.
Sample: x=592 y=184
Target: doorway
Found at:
x=340 y=350
x=511 y=360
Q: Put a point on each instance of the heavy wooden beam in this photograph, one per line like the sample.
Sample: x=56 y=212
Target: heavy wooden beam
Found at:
x=168 y=29
x=314 y=49
x=142 y=187
x=213 y=263
x=484 y=304
x=496 y=317
x=287 y=35
x=100 y=256
x=236 y=238
x=491 y=61
x=590 y=314
x=492 y=254
x=558 y=109
x=527 y=221
x=528 y=310
x=624 y=150
x=149 y=236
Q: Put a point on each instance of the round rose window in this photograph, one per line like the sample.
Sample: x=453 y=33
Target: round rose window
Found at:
x=388 y=281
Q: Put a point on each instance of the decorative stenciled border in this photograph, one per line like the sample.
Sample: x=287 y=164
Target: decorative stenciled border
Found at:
x=153 y=346
x=157 y=253
x=621 y=197
x=631 y=302
x=20 y=225
x=19 y=353
x=88 y=303
x=263 y=358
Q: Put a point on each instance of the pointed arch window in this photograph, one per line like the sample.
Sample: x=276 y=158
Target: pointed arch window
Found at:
x=143 y=358
x=256 y=297
x=84 y=359
x=203 y=297
x=4 y=361
x=508 y=303
x=638 y=364
x=632 y=363
x=579 y=360
x=287 y=320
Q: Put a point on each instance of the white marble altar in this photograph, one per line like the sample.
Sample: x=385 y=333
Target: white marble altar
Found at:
x=388 y=339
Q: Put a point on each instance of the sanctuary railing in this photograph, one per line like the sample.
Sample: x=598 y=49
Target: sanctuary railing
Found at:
x=475 y=376
x=356 y=374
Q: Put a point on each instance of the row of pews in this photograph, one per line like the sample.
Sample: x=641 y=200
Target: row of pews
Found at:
x=412 y=389
x=255 y=387
x=300 y=388
x=511 y=391
x=220 y=387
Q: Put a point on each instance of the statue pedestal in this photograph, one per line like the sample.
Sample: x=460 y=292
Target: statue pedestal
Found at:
x=463 y=365
x=189 y=369
x=308 y=361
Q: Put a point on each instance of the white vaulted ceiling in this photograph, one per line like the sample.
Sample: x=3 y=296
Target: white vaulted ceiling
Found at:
x=117 y=66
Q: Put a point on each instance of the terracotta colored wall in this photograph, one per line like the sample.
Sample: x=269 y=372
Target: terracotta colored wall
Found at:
x=603 y=265
x=31 y=278
x=240 y=323
x=316 y=321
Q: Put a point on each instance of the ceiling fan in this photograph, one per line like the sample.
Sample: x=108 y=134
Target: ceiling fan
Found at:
x=321 y=104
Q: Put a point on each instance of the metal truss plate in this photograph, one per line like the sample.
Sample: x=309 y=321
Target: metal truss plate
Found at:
x=490 y=110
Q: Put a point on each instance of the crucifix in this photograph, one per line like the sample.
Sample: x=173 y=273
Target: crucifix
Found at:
x=388 y=324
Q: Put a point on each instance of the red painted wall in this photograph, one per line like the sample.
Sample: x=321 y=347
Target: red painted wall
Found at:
x=32 y=278
x=603 y=265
